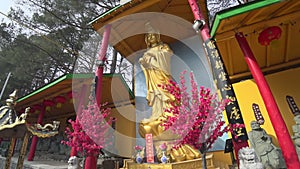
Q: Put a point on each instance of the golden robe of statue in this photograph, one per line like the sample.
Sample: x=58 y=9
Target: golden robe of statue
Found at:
x=155 y=64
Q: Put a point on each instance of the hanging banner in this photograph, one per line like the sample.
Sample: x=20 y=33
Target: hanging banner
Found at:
x=222 y=81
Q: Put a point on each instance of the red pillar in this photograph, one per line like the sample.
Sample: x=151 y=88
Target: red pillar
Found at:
x=79 y=109
x=204 y=32
x=284 y=139
x=101 y=59
x=91 y=160
x=35 y=138
x=199 y=16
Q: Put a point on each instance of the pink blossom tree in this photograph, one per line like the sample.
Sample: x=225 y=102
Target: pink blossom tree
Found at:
x=196 y=116
x=90 y=130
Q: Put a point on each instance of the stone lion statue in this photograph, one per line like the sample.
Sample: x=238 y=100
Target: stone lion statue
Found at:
x=74 y=163
x=268 y=154
x=248 y=159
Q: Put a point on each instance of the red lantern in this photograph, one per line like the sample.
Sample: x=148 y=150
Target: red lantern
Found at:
x=36 y=108
x=48 y=104
x=59 y=100
x=72 y=95
x=269 y=34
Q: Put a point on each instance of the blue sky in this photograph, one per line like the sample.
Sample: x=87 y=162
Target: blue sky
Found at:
x=4 y=6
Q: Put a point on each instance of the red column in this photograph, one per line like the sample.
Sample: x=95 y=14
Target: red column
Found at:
x=101 y=59
x=91 y=160
x=284 y=139
x=79 y=109
x=35 y=138
x=199 y=16
x=204 y=32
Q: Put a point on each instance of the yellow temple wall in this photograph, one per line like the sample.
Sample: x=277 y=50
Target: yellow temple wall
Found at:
x=125 y=130
x=281 y=84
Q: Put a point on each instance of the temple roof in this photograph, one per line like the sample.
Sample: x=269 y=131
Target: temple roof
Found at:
x=127 y=34
x=251 y=19
x=69 y=87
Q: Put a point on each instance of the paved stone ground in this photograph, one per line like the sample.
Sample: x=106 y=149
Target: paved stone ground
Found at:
x=39 y=164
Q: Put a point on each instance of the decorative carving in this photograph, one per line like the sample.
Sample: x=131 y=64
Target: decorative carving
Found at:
x=248 y=159
x=8 y=115
x=48 y=130
x=48 y=127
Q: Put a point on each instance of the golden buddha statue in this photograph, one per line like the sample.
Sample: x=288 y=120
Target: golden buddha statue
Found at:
x=155 y=64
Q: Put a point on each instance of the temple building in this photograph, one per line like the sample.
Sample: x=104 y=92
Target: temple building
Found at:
x=247 y=51
x=255 y=54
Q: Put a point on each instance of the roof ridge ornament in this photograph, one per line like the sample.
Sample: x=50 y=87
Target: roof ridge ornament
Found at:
x=11 y=101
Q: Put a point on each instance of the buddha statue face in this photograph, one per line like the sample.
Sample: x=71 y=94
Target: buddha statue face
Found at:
x=152 y=39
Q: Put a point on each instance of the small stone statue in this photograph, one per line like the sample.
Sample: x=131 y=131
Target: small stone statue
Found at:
x=248 y=159
x=296 y=136
x=296 y=128
x=268 y=154
x=74 y=163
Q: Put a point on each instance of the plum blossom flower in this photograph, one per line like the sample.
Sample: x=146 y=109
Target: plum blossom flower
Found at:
x=89 y=134
x=138 y=148
x=196 y=114
x=163 y=147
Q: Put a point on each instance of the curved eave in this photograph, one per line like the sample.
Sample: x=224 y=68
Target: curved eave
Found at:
x=63 y=82
x=119 y=11
x=115 y=92
x=226 y=14
x=127 y=45
x=251 y=19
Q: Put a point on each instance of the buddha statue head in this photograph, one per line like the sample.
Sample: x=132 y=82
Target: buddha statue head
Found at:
x=152 y=37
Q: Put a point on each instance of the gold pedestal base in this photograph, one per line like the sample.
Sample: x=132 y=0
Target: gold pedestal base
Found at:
x=189 y=164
